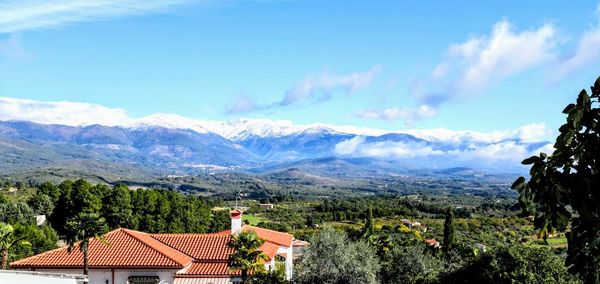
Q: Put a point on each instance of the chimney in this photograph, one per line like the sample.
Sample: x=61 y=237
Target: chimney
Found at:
x=236 y=221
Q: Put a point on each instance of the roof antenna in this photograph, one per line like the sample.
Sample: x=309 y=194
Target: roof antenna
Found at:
x=236 y=199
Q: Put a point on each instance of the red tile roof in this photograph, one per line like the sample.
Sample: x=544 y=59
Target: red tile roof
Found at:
x=208 y=269
x=125 y=248
x=198 y=246
x=270 y=249
x=197 y=254
x=283 y=239
x=271 y=236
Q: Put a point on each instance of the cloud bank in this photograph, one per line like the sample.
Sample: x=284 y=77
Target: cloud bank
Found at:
x=22 y=15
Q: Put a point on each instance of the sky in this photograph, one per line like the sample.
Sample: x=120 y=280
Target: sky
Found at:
x=392 y=65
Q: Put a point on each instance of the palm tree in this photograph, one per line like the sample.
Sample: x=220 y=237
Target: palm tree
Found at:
x=247 y=255
x=81 y=229
x=7 y=241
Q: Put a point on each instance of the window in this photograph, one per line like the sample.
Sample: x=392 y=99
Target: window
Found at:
x=143 y=280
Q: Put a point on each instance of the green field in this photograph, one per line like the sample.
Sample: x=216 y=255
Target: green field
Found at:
x=254 y=219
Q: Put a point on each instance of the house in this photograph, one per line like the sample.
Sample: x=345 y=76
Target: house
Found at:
x=433 y=243
x=266 y=206
x=136 y=257
x=40 y=220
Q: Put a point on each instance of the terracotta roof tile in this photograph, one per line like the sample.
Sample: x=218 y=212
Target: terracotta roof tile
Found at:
x=198 y=246
x=270 y=249
x=125 y=248
x=213 y=269
x=276 y=237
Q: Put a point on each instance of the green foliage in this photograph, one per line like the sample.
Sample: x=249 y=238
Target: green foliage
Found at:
x=219 y=221
x=117 y=208
x=8 y=239
x=515 y=264
x=411 y=264
x=246 y=255
x=13 y=213
x=80 y=229
x=564 y=185
x=369 y=222
x=39 y=238
x=41 y=204
x=332 y=258
x=273 y=276
x=448 y=243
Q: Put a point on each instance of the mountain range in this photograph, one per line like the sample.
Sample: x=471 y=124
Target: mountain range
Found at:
x=161 y=145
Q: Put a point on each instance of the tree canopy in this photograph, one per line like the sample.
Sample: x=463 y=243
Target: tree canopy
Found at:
x=564 y=186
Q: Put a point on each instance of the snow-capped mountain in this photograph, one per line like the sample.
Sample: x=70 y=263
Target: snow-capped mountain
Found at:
x=174 y=144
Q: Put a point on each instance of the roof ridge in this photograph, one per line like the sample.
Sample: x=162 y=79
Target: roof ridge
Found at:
x=132 y=234
x=186 y=234
x=250 y=226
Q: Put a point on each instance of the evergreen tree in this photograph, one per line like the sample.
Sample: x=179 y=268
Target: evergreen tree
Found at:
x=369 y=223
x=448 y=243
x=117 y=208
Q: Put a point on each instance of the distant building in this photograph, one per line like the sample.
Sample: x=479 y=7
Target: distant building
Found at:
x=433 y=243
x=266 y=206
x=40 y=220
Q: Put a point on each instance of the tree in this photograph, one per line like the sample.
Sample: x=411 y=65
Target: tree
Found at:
x=81 y=229
x=333 y=258
x=13 y=213
x=117 y=208
x=564 y=185
x=49 y=189
x=41 y=204
x=411 y=264
x=514 y=264
x=219 y=221
x=246 y=255
x=76 y=198
x=8 y=239
x=448 y=243
x=369 y=223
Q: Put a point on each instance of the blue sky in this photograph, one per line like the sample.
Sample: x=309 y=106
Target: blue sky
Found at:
x=465 y=65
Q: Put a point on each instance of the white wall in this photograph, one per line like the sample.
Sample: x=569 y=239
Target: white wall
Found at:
x=27 y=277
x=289 y=260
x=100 y=276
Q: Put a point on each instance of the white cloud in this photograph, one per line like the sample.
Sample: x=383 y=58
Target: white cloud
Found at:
x=527 y=133
x=502 y=151
x=21 y=15
x=11 y=47
x=472 y=66
x=67 y=113
x=408 y=114
x=585 y=54
x=321 y=87
x=358 y=147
